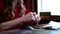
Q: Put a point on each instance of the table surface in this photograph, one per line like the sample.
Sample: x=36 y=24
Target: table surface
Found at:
x=35 y=31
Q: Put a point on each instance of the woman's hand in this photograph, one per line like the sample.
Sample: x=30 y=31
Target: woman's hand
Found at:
x=32 y=16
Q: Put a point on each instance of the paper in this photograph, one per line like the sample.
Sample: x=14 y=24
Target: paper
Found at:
x=53 y=24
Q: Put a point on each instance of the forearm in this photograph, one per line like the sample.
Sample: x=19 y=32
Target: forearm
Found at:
x=12 y=23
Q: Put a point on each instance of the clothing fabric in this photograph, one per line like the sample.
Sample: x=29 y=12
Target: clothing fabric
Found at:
x=18 y=9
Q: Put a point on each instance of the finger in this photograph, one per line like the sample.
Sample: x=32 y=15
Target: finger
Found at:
x=34 y=12
x=33 y=17
x=39 y=18
x=31 y=13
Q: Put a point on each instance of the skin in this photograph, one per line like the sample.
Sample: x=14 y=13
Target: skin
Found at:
x=26 y=18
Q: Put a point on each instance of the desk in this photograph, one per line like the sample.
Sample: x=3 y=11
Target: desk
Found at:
x=35 y=31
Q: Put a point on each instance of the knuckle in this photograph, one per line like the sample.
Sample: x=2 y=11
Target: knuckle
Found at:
x=31 y=13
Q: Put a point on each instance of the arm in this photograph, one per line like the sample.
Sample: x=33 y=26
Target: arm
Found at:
x=12 y=23
x=27 y=18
